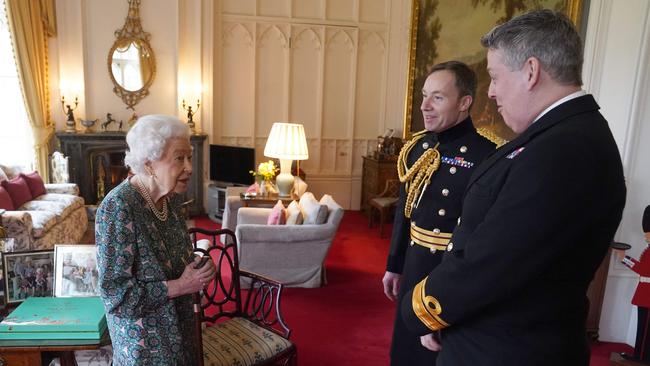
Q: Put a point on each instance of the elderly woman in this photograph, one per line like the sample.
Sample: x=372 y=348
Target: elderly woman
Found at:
x=146 y=267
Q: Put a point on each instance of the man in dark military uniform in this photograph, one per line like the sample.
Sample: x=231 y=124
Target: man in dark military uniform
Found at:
x=434 y=167
x=538 y=215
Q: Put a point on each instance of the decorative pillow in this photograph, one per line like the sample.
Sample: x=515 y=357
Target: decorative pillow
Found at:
x=299 y=187
x=3 y=176
x=35 y=183
x=18 y=190
x=321 y=217
x=277 y=216
x=294 y=215
x=5 y=200
x=329 y=201
x=309 y=207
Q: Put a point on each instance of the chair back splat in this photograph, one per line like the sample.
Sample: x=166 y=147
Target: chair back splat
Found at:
x=250 y=317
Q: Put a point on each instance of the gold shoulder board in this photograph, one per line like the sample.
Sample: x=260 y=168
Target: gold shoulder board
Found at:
x=491 y=136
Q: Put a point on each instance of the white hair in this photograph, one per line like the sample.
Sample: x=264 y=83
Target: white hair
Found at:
x=147 y=139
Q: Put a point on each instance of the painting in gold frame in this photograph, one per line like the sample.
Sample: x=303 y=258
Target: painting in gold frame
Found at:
x=452 y=31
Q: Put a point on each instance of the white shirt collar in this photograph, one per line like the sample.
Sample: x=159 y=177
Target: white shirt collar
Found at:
x=577 y=94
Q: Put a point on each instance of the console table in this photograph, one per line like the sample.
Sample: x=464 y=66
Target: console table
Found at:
x=99 y=157
x=30 y=352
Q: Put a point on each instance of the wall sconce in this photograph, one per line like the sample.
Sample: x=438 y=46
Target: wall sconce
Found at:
x=190 y=114
x=69 y=111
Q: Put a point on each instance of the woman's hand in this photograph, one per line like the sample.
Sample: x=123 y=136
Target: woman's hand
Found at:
x=192 y=280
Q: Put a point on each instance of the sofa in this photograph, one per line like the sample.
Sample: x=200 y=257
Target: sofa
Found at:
x=291 y=254
x=55 y=215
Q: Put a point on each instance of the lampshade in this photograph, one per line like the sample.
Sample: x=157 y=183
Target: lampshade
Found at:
x=287 y=141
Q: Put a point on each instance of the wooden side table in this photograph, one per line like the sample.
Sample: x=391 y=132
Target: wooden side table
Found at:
x=266 y=200
x=30 y=352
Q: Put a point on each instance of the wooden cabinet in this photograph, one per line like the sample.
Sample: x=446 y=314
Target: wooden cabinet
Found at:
x=375 y=174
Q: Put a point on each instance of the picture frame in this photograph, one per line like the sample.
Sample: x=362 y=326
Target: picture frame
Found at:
x=451 y=30
x=27 y=274
x=75 y=270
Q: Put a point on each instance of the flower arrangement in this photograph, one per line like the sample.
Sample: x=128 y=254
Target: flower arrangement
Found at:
x=265 y=171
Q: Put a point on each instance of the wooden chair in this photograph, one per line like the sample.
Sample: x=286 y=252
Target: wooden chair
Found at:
x=244 y=327
x=384 y=202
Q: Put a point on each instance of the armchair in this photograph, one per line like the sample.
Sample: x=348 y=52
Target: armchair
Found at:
x=246 y=327
x=292 y=254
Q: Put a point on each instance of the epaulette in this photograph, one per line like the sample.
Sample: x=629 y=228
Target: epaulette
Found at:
x=491 y=136
x=420 y=132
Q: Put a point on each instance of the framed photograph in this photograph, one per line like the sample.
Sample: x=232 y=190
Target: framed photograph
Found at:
x=27 y=274
x=451 y=30
x=75 y=270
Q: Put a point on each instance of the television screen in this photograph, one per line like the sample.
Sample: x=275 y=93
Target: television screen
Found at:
x=232 y=164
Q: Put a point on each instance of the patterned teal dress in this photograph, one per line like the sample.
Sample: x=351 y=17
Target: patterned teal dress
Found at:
x=137 y=254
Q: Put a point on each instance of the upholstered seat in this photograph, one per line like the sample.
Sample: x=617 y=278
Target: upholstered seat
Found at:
x=239 y=341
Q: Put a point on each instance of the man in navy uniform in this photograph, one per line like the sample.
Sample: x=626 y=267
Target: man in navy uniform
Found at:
x=538 y=215
x=434 y=167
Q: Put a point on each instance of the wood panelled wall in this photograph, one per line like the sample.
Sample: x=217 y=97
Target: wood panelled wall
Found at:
x=321 y=63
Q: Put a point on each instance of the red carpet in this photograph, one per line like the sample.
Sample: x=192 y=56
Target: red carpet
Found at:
x=349 y=321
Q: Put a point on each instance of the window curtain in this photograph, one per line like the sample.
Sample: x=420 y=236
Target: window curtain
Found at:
x=30 y=24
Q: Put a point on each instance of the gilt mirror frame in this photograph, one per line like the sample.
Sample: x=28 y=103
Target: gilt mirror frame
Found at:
x=452 y=31
x=132 y=32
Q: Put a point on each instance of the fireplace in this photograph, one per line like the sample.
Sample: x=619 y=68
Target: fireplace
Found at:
x=96 y=164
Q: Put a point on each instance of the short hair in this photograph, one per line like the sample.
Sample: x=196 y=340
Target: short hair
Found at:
x=465 y=77
x=544 y=34
x=147 y=139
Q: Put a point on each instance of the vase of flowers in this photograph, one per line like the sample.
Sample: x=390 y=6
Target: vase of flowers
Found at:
x=264 y=176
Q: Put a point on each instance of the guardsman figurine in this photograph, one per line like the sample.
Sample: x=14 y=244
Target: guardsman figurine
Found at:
x=434 y=168
x=642 y=294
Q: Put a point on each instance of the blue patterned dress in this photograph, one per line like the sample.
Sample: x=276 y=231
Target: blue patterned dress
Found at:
x=137 y=254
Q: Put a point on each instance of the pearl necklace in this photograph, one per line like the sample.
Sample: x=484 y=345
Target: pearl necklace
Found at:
x=160 y=215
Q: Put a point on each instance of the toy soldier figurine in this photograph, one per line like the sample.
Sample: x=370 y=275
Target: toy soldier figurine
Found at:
x=434 y=168
x=642 y=294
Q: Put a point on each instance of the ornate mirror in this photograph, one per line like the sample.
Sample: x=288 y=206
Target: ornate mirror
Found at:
x=131 y=62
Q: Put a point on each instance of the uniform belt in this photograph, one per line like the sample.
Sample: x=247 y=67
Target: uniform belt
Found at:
x=429 y=238
x=644 y=279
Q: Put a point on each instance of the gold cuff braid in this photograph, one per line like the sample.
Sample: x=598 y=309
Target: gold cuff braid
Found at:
x=427 y=308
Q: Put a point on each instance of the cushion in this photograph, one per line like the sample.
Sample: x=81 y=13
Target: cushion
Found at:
x=329 y=201
x=18 y=190
x=299 y=187
x=294 y=215
x=35 y=183
x=277 y=216
x=309 y=207
x=321 y=216
x=5 y=200
x=241 y=342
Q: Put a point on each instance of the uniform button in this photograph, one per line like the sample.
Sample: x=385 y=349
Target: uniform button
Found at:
x=412 y=223
x=445 y=192
x=436 y=231
x=432 y=250
x=412 y=243
x=425 y=145
x=442 y=212
x=463 y=149
x=452 y=170
x=450 y=246
x=458 y=223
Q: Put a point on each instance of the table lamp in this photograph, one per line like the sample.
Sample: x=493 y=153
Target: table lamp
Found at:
x=286 y=142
